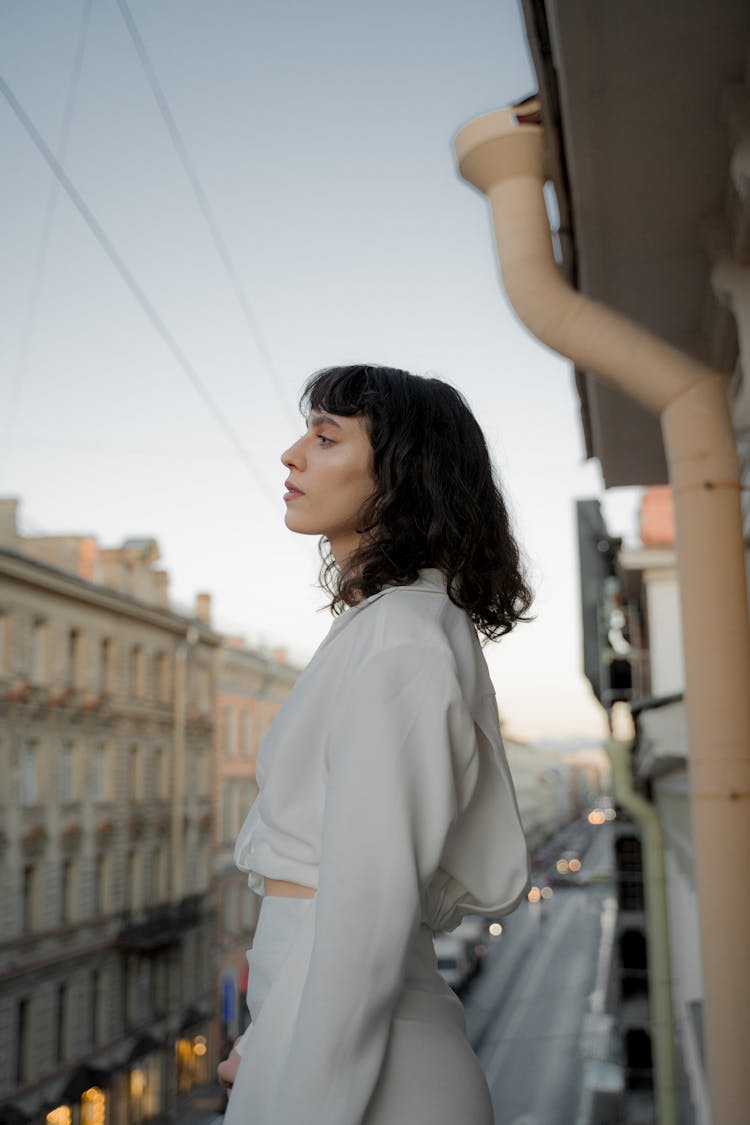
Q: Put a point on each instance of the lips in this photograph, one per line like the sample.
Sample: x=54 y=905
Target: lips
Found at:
x=292 y=491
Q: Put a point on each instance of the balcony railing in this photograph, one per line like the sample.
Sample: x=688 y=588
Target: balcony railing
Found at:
x=162 y=925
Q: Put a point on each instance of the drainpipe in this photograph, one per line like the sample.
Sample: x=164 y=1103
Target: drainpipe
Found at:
x=502 y=155
x=657 y=929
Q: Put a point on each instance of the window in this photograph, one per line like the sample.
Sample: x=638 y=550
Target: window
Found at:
x=201 y=876
x=132 y=881
x=204 y=689
x=136 y=672
x=131 y=989
x=161 y=677
x=101 y=872
x=67 y=891
x=159 y=774
x=160 y=983
x=60 y=1115
x=202 y=774
x=159 y=874
x=228 y=730
x=245 y=739
x=73 y=659
x=629 y=873
x=29 y=775
x=105 y=666
x=203 y=961
x=67 y=773
x=22 y=1041
x=100 y=774
x=95 y=1007
x=39 y=645
x=228 y=818
x=61 y=1022
x=28 y=898
x=135 y=789
x=147 y=686
x=164 y=884
x=3 y=642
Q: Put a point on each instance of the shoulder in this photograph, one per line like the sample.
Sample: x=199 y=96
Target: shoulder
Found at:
x=417 y=621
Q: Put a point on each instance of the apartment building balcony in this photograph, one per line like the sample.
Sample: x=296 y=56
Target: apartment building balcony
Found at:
x=160 y=926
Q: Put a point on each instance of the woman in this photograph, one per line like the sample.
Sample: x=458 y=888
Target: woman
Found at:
x=385 y=809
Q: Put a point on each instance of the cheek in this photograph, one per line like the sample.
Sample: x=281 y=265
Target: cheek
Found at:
x=349 y=474
x=362 y=484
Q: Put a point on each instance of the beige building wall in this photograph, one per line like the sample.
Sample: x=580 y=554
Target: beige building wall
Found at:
x=105 y=965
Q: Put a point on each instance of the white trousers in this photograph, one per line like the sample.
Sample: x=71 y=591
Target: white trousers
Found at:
x=430 y=1074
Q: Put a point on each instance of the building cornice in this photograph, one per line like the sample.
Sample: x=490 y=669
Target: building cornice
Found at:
x=21 y=568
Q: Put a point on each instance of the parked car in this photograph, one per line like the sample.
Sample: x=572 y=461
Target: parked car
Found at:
x=452 y=960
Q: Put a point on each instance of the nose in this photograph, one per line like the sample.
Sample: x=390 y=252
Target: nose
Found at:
x=293 y=458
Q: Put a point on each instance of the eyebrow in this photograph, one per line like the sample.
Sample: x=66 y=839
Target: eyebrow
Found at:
x=316 y=419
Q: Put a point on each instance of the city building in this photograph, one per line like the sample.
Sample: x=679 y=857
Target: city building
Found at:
x=553 y=785
x=251 y=687
x=645 y=583
x=632 y=627
x=106 y=833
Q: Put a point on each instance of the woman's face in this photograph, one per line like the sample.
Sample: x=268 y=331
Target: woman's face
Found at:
x=330 y=479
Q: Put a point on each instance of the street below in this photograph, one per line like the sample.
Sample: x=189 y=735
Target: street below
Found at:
x=526 y=1010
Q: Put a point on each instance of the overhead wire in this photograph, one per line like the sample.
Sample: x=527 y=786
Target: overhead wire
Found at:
x=204 y=205
x=32 y=308
x=127 y=276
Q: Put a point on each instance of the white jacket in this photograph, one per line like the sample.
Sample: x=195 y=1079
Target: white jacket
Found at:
x=383 y=782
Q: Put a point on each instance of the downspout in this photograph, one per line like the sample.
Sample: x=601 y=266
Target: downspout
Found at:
x=503 y=157
x=657 y=929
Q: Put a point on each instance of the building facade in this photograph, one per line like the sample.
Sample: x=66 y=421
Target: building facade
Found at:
x=106 y=743
x=251 y=687
x=638 y=611
x=661 y=769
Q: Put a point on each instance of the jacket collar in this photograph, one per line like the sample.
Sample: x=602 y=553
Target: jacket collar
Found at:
x=430 y=580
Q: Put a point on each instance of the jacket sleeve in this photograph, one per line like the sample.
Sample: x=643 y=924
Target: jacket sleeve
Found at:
x=239 y=1044
x=400 y=741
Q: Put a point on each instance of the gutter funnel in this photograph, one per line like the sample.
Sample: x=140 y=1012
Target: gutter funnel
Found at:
x=504 y=158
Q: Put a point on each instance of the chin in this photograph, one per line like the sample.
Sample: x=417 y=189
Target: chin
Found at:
x=299 y=526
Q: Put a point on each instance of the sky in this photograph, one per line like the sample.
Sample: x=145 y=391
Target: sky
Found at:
x=321 y=138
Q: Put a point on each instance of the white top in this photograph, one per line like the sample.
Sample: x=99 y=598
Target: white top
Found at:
x=383 y=783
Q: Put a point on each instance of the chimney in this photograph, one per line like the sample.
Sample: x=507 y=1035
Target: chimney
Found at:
x=161 y=581
x=88 y=557
x=203 y=608
x=8 y=525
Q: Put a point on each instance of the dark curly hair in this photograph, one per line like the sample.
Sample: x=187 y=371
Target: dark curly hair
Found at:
x=437 y=503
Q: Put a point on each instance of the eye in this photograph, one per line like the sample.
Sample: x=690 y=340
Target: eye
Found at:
x=325 y=440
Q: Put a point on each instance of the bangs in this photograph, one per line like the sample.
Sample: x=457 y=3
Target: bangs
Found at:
x=344 y=390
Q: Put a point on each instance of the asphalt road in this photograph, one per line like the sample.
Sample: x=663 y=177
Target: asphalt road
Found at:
x=526 y=1009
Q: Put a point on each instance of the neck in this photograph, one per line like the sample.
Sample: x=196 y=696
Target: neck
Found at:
x=343 y=546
